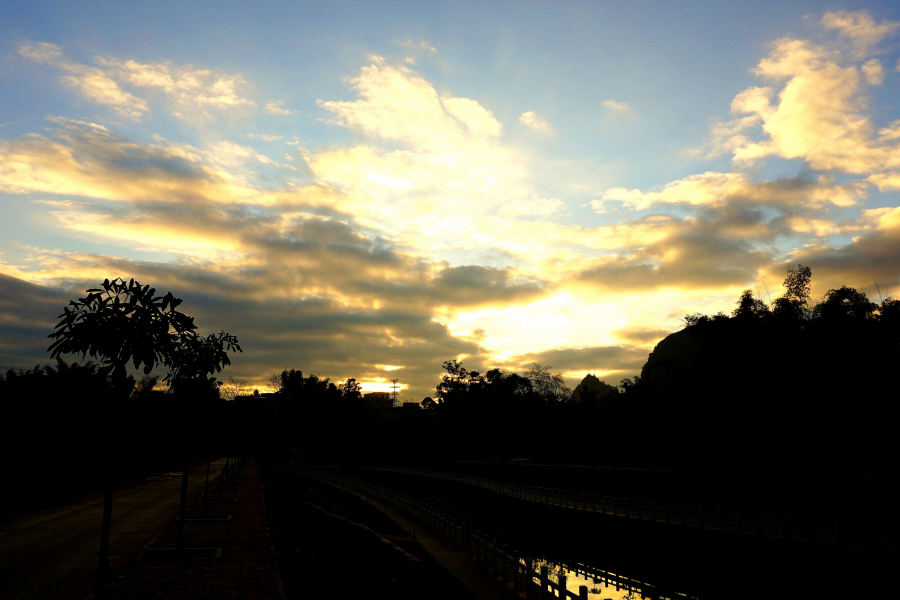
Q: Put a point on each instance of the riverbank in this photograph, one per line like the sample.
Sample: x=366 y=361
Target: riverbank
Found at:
x=703 y=563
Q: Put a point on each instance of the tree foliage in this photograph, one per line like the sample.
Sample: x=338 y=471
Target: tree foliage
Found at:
x=351 y=390
x=123 y=322
x=310 y=391
x=845 y=303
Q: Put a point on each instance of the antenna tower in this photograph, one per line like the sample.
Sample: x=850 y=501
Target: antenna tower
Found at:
x=394 y=396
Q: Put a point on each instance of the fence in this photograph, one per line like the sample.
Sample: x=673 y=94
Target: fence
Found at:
x=537 y=583
x=780 y=526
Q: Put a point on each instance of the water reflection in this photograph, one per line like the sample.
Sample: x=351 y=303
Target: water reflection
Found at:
x=602 y=585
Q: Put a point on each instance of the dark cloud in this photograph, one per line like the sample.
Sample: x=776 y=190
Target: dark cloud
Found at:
x=316 y=333
x=28 y=314
x=106 y=151
x=640 y=335
x=695 y=258
x=624 y=359
x=869 y=258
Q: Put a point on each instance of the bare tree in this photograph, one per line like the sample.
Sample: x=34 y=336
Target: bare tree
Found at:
x=234 y=388
x=551 y=387
x=275 y=382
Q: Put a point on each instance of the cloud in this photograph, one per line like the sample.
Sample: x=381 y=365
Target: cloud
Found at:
x=637 y=334
x=433 y=171
x=186 y=88
x=277 y=109
x=817 y=114
x=316 y=334
x=530 y=119
x=873 y=71
x=92 y=83
x=713 y=188
x=425 y=239
x=417 y=46
x=189 y=92
x=397 y=104
x=533 y=206
x=726 y=137
x=232 y=155
x=618 y=110
x=617 y=359
x=867 y=259
x=264 y=137
x=28 y=313
x=859 y=27
x=42 y=52
x=700 y=254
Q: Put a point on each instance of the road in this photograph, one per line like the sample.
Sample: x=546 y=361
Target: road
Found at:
x=53 y=553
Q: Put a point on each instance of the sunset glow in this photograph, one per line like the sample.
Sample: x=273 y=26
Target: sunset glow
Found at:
x=369 y=193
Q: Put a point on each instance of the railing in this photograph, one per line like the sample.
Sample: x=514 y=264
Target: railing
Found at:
x=537 y=583
x=779 y=526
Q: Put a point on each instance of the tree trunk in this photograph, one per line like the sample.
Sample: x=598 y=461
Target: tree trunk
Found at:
x=103 y=570
x=206 y=492
x=183 y=509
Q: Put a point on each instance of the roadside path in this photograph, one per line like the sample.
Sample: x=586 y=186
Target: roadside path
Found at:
x=247 y=569
x=474 y=577
x=53 y=553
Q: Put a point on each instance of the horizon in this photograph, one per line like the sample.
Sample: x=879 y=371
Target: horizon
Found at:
x=366 y=191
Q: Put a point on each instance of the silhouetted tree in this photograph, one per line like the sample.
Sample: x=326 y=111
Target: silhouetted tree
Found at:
x=629 y=386
x=793 y=306
x=889 y=315
x=309 y=391
x=454 y=383
x=351 y=391
x=750 y=308
x=233 y=388
x=274 y=382
x=550 y=387
x=845 y=303
x=123 y=322
x=145 y=388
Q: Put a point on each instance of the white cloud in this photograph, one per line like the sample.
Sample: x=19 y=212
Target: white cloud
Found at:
x=397 y=104
x=230 y=155
x=98 y=87
x=418 y=46
x=530 y=119
x=726 y=137
x=713 y=188
x=92 y=83
x=277 y=109
x=873 y=71
x=533 y=206
x=818 y=114
x=185 y=87
x=859 y=27
x=617 y=110
x=265 y=137
x=42 y=52
x=190 y=92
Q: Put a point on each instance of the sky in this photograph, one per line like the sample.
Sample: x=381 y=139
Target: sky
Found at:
x=362 y=189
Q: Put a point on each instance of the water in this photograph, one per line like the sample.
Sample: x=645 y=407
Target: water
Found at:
x=603 y=585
